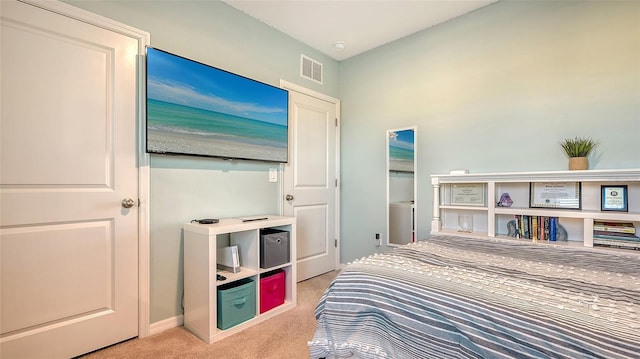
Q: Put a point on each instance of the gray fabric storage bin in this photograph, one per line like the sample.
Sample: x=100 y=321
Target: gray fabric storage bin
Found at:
x=274 y=247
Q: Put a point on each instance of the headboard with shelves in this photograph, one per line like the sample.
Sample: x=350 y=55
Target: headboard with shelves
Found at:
x=491 y=220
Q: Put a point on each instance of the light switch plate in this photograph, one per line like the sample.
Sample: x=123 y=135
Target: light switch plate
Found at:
x=273 y=175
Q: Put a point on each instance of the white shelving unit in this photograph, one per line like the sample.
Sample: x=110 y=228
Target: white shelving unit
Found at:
x=491 y=220
x=201 y=242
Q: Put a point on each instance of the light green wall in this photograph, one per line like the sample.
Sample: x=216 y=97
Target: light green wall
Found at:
x=494 y=90
x=184 y=188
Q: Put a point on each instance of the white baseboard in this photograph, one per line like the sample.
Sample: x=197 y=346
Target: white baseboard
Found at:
x=161 y=326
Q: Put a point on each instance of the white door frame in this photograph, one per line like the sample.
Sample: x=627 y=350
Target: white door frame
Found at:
x=144 y=39
x=303 y=90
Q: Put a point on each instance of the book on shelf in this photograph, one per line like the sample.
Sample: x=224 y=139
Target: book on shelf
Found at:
x=616 y=243
x=552 y=229
x=546 y=228
x=616 y=238
x=541 y=228
x=519 y=226
x=614 y=234
x=621 y=227
x=536 y=227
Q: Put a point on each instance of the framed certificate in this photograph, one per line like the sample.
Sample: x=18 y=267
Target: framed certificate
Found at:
x=562 y=195
x=614 y=198
x=467 y=194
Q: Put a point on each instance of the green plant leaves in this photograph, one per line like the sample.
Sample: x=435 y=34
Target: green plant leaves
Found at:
x=578 y=146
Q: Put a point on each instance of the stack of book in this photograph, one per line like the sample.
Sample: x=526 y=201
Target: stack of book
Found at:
x=615 y=234
x=536 y=227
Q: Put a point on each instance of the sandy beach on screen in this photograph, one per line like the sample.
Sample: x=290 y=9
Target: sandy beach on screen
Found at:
x=214 y=146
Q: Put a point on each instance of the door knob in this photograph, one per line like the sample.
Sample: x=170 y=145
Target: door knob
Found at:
x=128 y=203
x=288 y=197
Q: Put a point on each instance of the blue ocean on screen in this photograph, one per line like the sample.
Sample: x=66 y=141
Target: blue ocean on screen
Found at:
x=189 y=123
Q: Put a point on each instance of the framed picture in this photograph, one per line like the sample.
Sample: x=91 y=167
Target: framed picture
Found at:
x=561 y=195
x=467 y=194
x=614 y=198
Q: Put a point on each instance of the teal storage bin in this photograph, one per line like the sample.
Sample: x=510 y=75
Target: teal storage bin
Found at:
x=236 y=303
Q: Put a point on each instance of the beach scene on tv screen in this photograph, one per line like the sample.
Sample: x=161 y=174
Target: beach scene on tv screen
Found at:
x=196 y=109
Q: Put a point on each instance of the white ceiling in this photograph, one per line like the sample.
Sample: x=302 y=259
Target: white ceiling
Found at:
x=361 y=24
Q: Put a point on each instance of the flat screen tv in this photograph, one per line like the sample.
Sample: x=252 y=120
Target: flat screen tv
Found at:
x=196 y=109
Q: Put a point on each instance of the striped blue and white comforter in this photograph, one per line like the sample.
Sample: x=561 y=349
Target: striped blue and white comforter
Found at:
x=453 y=297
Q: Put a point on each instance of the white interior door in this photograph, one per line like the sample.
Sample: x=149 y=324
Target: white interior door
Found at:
x=310 y=183
x=68 y=247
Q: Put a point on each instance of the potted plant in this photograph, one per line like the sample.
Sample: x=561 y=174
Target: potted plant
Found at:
x=577 y=149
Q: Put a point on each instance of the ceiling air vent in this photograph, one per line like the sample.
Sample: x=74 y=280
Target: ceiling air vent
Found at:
x=310 y=69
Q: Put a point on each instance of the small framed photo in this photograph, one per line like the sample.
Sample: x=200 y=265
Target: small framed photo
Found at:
x=614 y=198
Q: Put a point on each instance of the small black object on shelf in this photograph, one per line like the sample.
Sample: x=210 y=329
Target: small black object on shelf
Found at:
x=206 y=221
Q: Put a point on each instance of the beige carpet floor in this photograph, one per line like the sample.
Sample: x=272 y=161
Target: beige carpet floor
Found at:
x=284 y=336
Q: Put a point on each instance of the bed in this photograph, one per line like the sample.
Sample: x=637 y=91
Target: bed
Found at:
x=455 y=297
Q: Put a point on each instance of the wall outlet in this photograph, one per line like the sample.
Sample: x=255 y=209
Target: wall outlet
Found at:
x=378 y=239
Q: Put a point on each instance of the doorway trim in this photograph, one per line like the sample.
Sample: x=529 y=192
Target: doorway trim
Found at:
x=144 y=39
x=305 y=91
